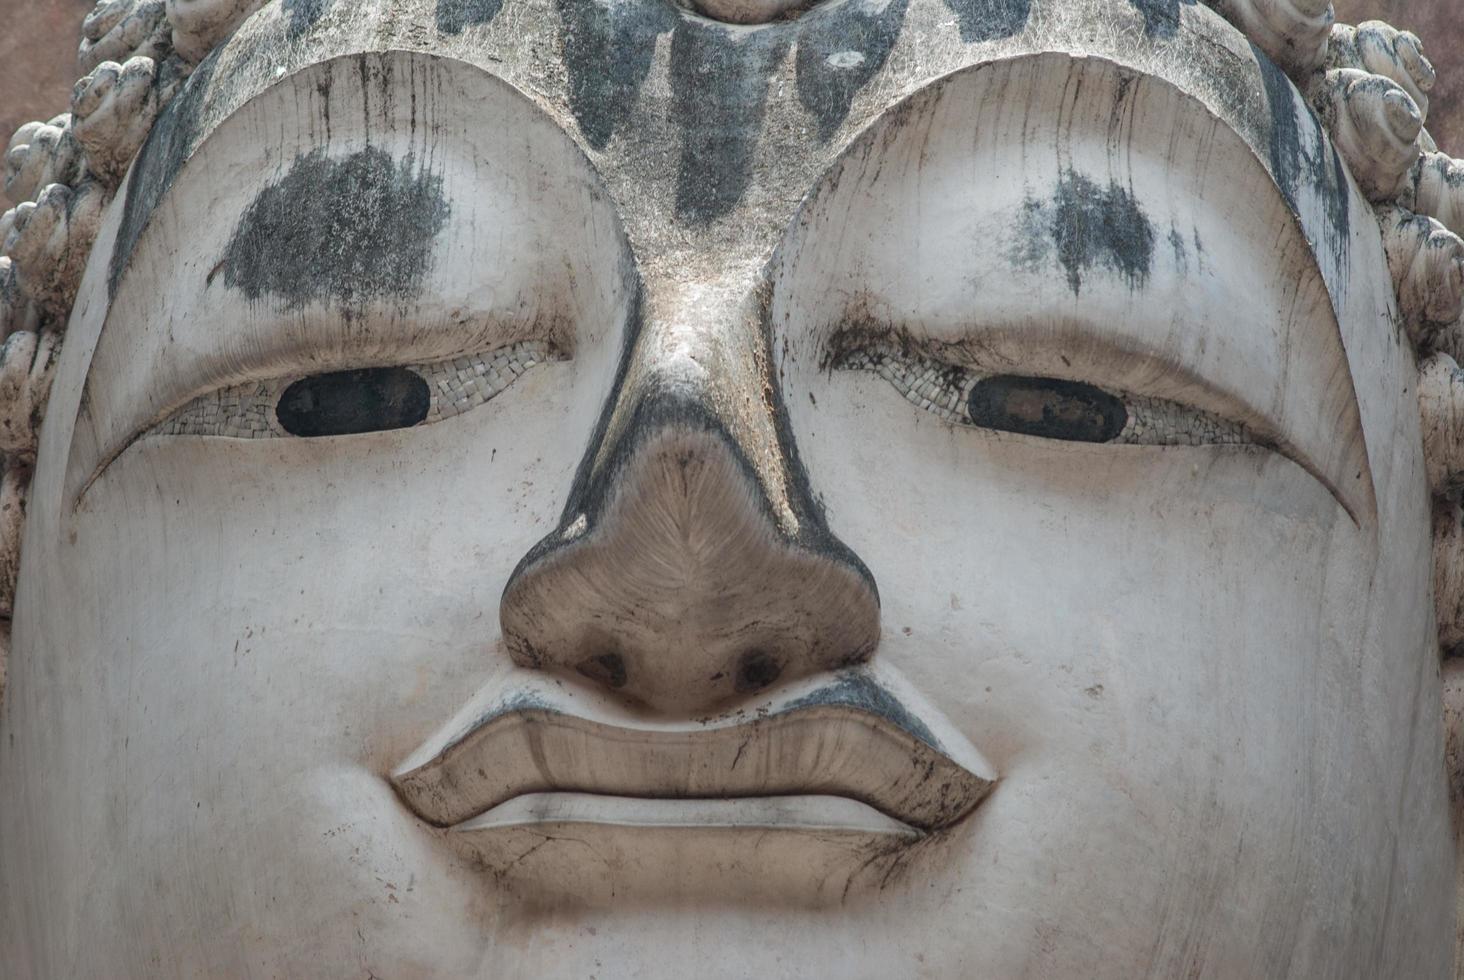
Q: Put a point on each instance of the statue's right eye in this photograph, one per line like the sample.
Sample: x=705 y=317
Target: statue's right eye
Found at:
x=337 y=403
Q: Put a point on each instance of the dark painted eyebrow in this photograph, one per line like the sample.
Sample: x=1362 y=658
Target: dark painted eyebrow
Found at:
x=1083 y=226
x=349 y=230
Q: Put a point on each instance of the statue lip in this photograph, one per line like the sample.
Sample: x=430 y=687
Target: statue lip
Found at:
x=861 y=734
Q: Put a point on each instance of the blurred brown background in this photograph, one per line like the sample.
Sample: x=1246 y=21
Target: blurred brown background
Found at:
x=37 y=59
x=1441 y=25
x=38 y=56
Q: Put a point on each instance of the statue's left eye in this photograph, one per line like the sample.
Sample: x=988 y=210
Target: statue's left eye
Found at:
x=1051 y=408
x=336 y=403
x=1048 y=407
x=347 y=402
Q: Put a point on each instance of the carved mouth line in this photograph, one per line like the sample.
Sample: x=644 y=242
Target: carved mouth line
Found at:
x=863 y=735
x=826 y=816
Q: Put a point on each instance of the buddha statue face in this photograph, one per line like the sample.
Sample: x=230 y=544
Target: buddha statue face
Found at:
x=915 y=488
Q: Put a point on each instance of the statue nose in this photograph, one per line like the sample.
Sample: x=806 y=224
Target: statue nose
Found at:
x=673 y=580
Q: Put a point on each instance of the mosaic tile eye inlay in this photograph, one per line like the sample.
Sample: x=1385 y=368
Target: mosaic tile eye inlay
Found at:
x=1049 y=407
x=252 y=410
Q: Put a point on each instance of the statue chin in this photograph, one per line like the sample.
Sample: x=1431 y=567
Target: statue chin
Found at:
x=563 y=489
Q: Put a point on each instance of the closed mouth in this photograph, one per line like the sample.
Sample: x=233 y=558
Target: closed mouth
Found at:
x=533 y=748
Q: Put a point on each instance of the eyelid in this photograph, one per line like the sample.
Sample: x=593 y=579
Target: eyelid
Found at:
x=944 y=390
x=457 y=385
x=124 y=396
x=1154 y=380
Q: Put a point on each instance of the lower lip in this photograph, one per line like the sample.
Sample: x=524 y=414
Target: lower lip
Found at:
x=803 y=850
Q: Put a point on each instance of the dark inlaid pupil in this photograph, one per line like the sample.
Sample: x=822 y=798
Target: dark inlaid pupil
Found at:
x=1047 y=407
x=346 y=402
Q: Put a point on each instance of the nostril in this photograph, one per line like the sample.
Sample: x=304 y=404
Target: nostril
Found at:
x=607 y=668
x=756 y=671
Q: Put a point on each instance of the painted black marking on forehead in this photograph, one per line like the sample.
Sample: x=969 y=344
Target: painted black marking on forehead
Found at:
x=1297 y=162
x=719 y=78
x=608 y=50
x=719 y=86
x=838 y=55
x=989 y=20
x=1086 y=225
x=343 y=230
x=453 y=16
x=1161 y=17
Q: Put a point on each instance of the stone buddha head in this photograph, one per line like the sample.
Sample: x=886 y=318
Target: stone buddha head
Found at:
x=578 y=488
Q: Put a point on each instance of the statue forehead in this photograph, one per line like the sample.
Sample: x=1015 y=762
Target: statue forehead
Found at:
x=707 y=136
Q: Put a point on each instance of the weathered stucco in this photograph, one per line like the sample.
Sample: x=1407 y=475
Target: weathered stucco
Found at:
x=928 y=488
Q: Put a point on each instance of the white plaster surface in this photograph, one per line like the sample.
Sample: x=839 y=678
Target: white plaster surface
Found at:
x=1203 y=675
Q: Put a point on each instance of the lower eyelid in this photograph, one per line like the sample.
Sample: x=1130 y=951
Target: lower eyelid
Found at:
x=241 y=412
x=464 y=383
x=1167 y=423
x=249 y=411
x=923 y=383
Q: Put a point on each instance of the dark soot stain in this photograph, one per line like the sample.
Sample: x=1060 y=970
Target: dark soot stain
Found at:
x=989 y=20
x=1088 y=226
x=606 y=668
x=1048 y=407
x=348 y=402
x=857 y=690
x=303 y=14
x=839 y=51
x=1287 y=158
x=168 y=145
x=1298 y=159
x=719 y=87
x=455 y=15
x=607 y=54
x=345 y=230
x=756 y=671
x=1161 y=17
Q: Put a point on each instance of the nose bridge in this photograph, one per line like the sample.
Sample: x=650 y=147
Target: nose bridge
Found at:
x=692 y=564
x=699 y=361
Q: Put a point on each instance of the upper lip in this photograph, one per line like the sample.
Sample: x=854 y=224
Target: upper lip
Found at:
x=862 y=733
